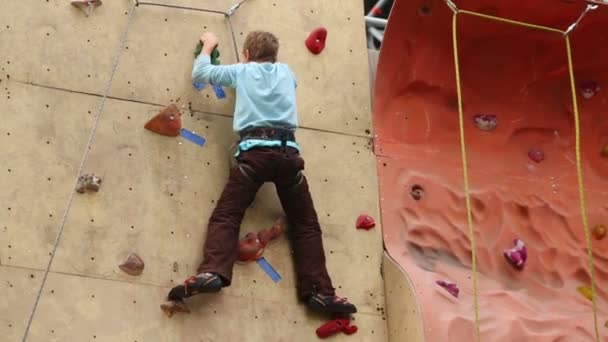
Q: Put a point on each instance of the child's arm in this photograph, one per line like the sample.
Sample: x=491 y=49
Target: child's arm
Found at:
x=204 y=71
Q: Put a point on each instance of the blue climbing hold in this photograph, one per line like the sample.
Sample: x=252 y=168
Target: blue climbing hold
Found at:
x=199 y=85
x=219 y=91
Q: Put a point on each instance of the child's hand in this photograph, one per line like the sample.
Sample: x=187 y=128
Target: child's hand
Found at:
x=209 y=41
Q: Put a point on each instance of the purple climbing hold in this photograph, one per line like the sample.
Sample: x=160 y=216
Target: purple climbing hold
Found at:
x=517 y=255
x=219 y=91
x=536 y=155
x=449 y=286
x=486 y=122
x=589 y=89
x=199 y=85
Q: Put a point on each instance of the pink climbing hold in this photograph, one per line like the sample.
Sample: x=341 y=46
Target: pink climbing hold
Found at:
x=517 y=255
x=365 y=221
x=452 y=288
x=316 y=40
x=536 y=155
x=589 y=89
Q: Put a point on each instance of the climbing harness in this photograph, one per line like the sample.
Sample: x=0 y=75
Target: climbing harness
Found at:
x=566 y=33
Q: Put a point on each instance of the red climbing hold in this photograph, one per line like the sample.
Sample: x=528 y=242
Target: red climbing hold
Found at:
x=365 y=221
x=336 y=325
x=316 y=40
x=168 y=122
x=536 y=155
x=251 y=247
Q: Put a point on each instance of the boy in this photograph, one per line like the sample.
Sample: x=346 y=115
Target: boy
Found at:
x=265 y=117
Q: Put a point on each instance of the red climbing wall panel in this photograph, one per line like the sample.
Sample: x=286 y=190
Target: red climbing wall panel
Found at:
x=522 y=173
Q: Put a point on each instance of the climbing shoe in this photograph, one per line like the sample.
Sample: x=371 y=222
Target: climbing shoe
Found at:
x=330 y=304
x=202 y=283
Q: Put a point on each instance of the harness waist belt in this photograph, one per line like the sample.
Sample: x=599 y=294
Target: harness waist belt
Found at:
x=268 y=133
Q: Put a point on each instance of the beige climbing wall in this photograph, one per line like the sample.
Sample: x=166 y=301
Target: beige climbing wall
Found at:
x=402 y=308
x=57 y=66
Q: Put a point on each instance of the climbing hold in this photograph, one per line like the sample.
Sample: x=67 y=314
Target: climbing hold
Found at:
x=199 y=85
x=219 y=91
x=251 y=247
x=452 y=288
x=316 y=40
x=132 y=265
x=267 y=235
x=589 y=89
x=417 y=192
x=215 y=54
x=86 y=6
x=88 y=182
x=517 y=255
x=168 y=122
x=192 y=136
x=599 y=231
x=365 y=221
x=585 y=291
x=173 y=306
x=605 y=151
x=485 y=122
x=536 y=154
x=336 y=325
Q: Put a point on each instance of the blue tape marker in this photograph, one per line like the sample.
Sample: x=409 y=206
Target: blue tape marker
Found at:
x=219 y=91
x=197 y=139
x=272 y=273
x=199 y=85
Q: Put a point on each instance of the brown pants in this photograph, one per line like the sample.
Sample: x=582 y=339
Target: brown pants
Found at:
x=282 y=167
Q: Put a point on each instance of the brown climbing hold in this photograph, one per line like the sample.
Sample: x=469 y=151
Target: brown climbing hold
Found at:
x=86 y=6
x=171 y=307
x=88 y=182
x=168 y=122
x=605 y=151
x=132 y=265
x=599 y=231
x=417 y=192
x=267 y=235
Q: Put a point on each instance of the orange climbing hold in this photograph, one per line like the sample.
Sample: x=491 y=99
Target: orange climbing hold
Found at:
x=168 y=122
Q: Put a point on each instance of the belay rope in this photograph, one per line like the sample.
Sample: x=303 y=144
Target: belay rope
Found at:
x=577 y=135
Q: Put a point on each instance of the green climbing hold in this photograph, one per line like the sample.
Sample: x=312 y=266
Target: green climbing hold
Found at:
x=215 y=54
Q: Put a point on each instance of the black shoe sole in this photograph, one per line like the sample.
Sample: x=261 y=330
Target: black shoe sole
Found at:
x=201 y=285
x=331 y=308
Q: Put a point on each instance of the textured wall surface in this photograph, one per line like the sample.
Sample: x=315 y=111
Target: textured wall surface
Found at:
x=75 y=93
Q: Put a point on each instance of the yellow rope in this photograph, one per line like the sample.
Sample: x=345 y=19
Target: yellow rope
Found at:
x=581 y=187
x=579 y=169
x=512 y=22
x=465 y=175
